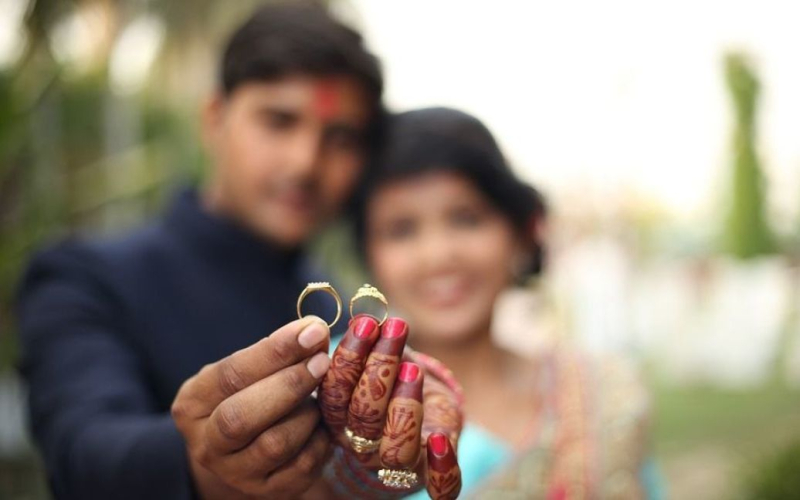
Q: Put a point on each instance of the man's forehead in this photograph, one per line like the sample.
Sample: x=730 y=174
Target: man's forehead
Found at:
x=326 y=96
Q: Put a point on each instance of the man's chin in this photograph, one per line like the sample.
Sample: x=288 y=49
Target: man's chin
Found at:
x=289 y=236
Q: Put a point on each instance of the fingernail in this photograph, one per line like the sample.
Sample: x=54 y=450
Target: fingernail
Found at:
x=408 y=372
x=312 y=335
x=364 y=326
x=438 y=444
x=393 y=328
x=443 y=463
x=318 y=364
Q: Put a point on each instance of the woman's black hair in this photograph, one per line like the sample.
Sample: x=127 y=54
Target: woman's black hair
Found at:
x=443 y=139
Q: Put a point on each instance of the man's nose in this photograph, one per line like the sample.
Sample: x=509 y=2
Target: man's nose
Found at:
x=304 y=152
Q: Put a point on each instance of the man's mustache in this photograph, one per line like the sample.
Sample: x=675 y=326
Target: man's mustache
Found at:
x=305 y=187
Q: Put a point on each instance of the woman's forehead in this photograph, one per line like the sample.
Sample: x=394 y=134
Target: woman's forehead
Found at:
x=425 y=192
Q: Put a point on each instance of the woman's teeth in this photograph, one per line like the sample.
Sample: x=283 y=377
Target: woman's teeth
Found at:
x=444 y=288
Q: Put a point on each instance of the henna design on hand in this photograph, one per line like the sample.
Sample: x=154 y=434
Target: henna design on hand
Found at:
x=379 y=368
x=347 y=364
x=444 y=475
x=401 y=443
x=371 y=398
x=444 y=486
x=442 y=413
x=402 y=429
x=334 y=392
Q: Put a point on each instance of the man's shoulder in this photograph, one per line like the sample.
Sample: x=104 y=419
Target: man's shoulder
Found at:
x=98 y=257
x=133 y=247
x=93 y=248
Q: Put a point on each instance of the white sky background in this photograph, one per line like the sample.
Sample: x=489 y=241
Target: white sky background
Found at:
x=609 y=96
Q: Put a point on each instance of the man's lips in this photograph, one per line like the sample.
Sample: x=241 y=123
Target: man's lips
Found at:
x=296 y=201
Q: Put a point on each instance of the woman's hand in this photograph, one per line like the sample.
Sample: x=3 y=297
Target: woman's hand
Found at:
x=388 y=411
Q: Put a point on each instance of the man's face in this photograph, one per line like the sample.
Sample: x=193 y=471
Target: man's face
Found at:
x=286 y=153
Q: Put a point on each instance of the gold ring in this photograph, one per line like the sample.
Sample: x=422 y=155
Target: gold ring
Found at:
x=368 y=290
x=320 y=286
x=400 y=479
x=361 y=444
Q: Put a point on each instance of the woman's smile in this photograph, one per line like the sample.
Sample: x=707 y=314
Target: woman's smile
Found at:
x=444 y=291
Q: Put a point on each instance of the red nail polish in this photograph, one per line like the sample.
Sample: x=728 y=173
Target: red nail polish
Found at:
x=393 y=328
x=408 y=372
x=438 y=443
x=364 y=326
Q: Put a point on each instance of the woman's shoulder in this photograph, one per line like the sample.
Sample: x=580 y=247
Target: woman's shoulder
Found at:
x=608 y=388
x=602 y=408
x=614 y=378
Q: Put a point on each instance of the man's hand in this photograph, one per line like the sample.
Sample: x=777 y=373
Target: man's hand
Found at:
x=250 y=426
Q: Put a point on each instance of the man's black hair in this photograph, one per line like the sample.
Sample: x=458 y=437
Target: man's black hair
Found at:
x=282 y=38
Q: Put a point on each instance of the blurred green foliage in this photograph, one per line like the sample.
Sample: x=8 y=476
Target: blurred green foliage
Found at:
x=747 y=233
x=774 y=477
x=59 y=175
x=76 y=156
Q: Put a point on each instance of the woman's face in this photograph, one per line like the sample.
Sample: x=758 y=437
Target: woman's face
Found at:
x=440 y=252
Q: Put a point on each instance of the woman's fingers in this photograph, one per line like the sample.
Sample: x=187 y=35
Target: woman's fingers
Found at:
x=400 y=446
x=368 y=390
x=442 y=412
x=444 y=475
x=370 y=399
x=441 y=429
x=347 y=364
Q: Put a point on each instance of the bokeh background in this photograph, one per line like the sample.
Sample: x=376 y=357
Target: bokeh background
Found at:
x=666 y=135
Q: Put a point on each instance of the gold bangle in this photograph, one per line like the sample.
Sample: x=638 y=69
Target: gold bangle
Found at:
x=320 y=286
x=368 y=290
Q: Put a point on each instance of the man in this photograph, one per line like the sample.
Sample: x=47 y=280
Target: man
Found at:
x=112 y=330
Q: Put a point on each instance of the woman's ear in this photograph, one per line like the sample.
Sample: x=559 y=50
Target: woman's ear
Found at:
x=529 y=257
x=520 y=265
x=537 y=229
x=521 y=259
x=538 y=243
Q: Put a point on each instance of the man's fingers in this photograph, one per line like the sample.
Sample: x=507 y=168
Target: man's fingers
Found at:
x=239 y=419
x=370 y=400
x=273 y=447
x=286 y=346
x=400 y=446
x=297 y=475
x=347 y=363
x=444 y=475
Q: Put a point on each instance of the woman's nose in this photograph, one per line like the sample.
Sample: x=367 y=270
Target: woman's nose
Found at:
x=438 y=250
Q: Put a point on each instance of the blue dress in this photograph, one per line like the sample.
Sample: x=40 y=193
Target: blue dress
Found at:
x=480 y=454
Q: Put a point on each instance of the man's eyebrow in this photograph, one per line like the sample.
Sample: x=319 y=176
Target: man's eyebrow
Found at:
x=277 y=109
x=346 y=125
x=342 y=125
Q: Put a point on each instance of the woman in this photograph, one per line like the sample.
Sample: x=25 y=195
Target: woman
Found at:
x=445 y=227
